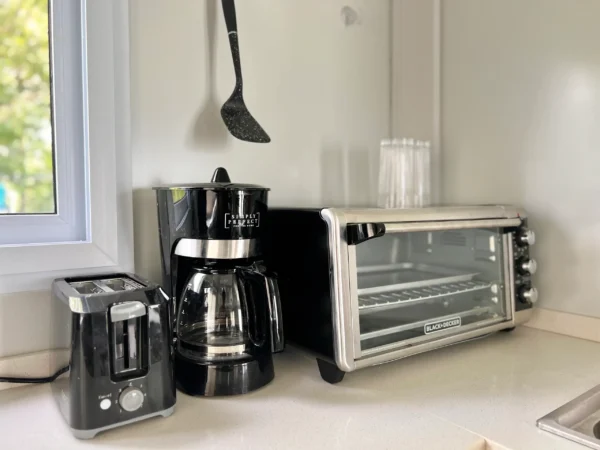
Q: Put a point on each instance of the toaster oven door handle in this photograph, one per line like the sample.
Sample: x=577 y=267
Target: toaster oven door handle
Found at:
x=403 y=227
x=357 y=233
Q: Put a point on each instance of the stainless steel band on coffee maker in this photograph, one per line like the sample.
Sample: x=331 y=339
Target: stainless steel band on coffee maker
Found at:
x=217 y=249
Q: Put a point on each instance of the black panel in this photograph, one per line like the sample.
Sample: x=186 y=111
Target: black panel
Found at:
x=297 y=250
x=522 y=279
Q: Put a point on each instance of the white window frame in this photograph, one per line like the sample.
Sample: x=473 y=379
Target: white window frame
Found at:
x=106 y=243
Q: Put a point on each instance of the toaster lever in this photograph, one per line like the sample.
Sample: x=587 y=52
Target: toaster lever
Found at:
x=126 y=311
x=357 y=233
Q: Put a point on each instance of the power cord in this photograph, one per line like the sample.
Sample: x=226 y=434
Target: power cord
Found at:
x=49 y=379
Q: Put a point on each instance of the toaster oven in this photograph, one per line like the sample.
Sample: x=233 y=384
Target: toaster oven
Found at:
x=361 y=287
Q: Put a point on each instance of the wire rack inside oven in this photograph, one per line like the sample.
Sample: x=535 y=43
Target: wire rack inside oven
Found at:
x=422 y=294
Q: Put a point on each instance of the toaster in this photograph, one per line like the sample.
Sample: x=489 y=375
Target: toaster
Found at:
x=116 y=331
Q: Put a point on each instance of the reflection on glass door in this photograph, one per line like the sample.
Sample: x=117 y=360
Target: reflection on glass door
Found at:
x=416 y=284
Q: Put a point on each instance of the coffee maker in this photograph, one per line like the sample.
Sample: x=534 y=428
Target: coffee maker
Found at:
x=227 y=311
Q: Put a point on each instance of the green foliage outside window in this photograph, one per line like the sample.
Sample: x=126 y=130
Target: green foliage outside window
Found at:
x=26 y=160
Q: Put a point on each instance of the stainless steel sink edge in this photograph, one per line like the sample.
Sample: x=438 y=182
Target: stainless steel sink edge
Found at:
x=563 y=420
x=554 y=427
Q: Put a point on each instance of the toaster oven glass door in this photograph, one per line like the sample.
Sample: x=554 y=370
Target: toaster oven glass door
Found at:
x=423 y=285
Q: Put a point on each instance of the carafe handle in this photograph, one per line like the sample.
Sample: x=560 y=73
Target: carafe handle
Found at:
x=273 y=304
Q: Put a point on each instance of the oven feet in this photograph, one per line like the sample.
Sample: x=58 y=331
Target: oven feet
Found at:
x=330 y=372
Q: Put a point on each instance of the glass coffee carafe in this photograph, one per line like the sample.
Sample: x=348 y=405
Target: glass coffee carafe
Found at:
x=225 y=315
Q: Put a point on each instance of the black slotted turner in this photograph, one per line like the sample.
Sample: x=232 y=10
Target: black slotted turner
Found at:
x=234 y=112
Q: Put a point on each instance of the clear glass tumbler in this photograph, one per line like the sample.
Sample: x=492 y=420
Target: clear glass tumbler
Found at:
x=422 y=177
x=396 y=174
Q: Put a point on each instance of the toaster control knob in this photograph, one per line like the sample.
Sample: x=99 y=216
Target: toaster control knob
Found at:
x=529 y=295
x=527 y=266
x=131 y=399
x=526 y=237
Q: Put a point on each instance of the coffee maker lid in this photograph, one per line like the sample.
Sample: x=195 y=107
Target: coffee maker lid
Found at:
x=220 y=181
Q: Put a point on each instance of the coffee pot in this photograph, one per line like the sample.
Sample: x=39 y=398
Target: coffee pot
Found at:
x=227 y=308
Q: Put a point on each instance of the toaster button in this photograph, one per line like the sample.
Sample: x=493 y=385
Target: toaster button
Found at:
x=131 y=399
x=105 y=404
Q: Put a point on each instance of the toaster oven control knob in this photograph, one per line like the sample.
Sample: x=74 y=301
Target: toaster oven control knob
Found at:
x=529 y=295
x=527 y=266
x=526 y=237
x=131 y=399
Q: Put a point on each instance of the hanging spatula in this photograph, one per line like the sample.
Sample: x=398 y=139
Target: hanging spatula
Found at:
x=235 y=114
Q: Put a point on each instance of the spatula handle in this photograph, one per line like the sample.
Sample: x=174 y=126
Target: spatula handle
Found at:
x=231 y=22
x=230 y=17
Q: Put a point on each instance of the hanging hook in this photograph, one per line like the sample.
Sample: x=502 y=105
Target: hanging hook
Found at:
x=350 y=16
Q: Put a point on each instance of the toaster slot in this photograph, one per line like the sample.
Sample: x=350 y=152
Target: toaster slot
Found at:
x=132 y=350
x=128 y=334
x=105 y=285
x=119 y=347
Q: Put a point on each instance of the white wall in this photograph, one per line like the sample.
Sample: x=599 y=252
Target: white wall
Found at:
x=416 y=76
x=321 y=89
x=521 y=124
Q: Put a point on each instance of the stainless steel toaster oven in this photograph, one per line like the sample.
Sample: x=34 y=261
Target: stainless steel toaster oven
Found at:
x=361 y=287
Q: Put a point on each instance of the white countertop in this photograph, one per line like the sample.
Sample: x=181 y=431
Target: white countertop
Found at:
x=493 y=388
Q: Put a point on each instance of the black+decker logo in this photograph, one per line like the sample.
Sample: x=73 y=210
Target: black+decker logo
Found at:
x=442 y=325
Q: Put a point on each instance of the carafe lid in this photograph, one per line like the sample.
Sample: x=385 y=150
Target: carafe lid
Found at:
x=220 y=181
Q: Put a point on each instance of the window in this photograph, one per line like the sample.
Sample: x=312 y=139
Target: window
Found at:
x=26 y=156
x=65 y=169
x=43 y=189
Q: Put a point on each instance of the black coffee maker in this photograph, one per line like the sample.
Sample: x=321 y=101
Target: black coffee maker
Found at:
x=227 y=311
